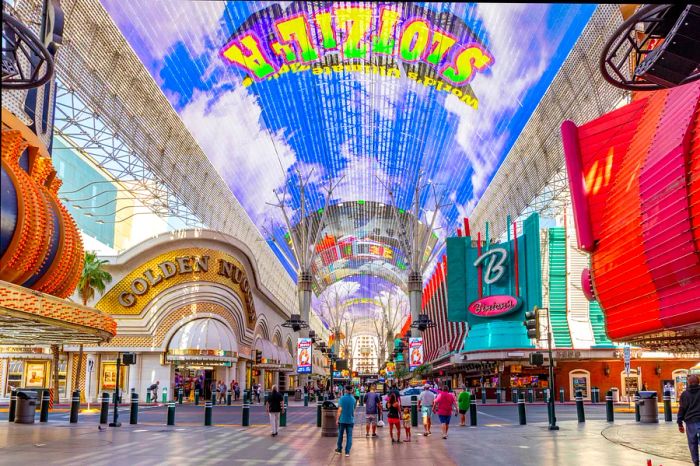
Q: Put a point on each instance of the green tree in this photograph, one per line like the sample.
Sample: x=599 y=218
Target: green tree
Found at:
x=93 y=279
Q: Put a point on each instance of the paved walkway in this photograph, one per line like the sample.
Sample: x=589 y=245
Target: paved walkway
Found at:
x=58 y=443
x=661 y=439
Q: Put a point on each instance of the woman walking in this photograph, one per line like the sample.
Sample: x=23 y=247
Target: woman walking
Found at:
x=275 y=406
x=445 y=405
x=393 y=407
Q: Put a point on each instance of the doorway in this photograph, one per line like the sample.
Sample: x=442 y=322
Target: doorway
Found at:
x=191 y=378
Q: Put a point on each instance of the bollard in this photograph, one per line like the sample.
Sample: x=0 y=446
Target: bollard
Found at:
x=318 y=412
x=637 y=413
x=171 y=413
x=472 y=412
x=245 y=420
x=609 y=413
x=579 y=407
x=668 y=414
x=228 y=398
x=134 y=414
x=483 y=396
x=414 y=410
x=514 y=395
x=75 y=407
x=165 y=394
x=196 y=397
x=45 y=399
x=13 y=406
x=561 y=395
x=595 y=393
x=179 y=396
x=283 y=416
x=306 y=399
x=104 y=409
x=498 y=395
x=521 y=409
x=530 y=395
x=207 y=413
x=549 y=406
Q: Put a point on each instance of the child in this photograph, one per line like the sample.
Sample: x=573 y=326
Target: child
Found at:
x=407 y=423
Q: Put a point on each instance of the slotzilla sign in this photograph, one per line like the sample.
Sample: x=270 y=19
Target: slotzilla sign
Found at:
x=494 y=306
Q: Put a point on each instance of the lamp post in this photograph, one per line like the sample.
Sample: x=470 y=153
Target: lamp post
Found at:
x=553 y=419
x=115 y=421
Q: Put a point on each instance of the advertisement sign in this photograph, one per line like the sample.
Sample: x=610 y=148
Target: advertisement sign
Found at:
x=493 y=306
x=390 y=368
x=304 y=356
x=415 y=351
x=628 y=356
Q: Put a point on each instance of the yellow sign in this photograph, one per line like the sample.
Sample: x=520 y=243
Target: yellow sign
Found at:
x=152 y=278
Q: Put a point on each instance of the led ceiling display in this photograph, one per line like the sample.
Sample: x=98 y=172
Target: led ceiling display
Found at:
x=374 y=95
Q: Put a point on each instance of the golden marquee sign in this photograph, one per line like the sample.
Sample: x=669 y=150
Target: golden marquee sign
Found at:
x=131 y=295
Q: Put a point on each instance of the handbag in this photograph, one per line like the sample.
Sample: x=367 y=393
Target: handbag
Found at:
x=380 y=422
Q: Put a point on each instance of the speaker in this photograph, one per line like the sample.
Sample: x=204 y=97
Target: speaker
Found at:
x=536 y=359
x=128 y=358
x=341 y=364
x=678 y=56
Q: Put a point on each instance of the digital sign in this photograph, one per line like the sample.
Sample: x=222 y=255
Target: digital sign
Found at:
x=304 y=352
x=415 y=352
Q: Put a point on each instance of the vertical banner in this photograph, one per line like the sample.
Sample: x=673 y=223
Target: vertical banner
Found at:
x=415 y=351
x=304 y=356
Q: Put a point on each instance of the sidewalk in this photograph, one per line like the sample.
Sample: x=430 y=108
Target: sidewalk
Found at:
x=661 y=439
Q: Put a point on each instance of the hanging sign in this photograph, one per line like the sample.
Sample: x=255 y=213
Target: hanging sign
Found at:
x=304 y=349
x=415 y=351
x=493 y=306
x=628 y=359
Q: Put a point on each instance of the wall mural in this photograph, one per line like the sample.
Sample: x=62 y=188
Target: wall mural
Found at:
x=371 y=92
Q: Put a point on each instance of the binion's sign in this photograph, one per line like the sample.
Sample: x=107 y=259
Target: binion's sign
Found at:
x=495 y=306
x=434 y=49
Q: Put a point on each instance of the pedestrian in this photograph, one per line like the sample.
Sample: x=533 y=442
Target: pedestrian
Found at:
x=407 y=423
x=213 y=388
x=237 y=391
x=275 y=406
x=463 y=403
x=689 y=412
x=346 y=420
x=425 y=404
x=373 y=405
x=154 y=389
x=222 y=392
x=445 y=404
x=393 y=409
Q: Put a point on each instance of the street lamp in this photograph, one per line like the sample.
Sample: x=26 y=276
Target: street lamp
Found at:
x=553 y=418
x=115 y=421
x=295 y=323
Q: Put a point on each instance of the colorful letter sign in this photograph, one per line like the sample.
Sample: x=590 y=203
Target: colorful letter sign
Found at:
x=304 y=349
x=415 y=352
x=493 y=306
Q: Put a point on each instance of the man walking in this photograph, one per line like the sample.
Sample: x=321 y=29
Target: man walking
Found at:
x=346 y=420
x=373 y=404
x=689 y=412
x=463 y=403
x=425 y=404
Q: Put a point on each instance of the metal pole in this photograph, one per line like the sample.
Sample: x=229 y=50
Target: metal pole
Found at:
x=553 y=418
x=104 y=409
x=414 y=411
x=521 y=409
x=609 y=413
x=579 y=407
x=13 y=406
x=207 y=413
x=115 y=418
x=245 y=419
x=44 y=415
x=472 y=411
x=75 y=407
x=171 y=413
x=134 y=413
x=668 y=414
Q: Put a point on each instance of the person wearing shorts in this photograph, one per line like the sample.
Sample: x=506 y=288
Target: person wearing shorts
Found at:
x=393 y=407
x=445 y=405
x=425 y=403
x=373 y=404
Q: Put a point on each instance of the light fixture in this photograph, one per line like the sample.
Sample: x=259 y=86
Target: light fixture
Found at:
x=658 y=370
x=423 y=322
x=295 y=323
x=606 y=370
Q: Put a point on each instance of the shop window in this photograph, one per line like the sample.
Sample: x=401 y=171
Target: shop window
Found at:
x=678 y=384
x=630 y=384
x=14 y=375
x=108 y=376
x=62 y=375
x=580 y=380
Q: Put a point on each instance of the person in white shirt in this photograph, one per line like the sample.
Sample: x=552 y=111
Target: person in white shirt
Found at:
x=425 y=404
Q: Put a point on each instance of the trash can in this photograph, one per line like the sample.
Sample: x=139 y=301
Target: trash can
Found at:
x=297 y=395
x=648 y=407
x=329 y=422
x=26 y=407
x=615 y=394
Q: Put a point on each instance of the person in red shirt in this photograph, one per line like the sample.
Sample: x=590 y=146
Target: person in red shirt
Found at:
x=445 y=405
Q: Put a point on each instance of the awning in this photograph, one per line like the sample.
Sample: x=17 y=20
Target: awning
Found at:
x=203 y=340
x=273 y=357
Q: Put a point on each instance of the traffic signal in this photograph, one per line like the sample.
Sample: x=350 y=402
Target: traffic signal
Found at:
x=536 y=359
x=258 y=357
x=531 y=323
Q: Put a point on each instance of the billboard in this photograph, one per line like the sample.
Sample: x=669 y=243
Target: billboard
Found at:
x=304 y=350
x=415 y=352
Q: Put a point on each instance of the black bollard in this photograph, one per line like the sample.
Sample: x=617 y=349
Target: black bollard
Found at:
x=483 y=396
x=45 y=401
x=530 y=395
x=213 y=398
x=179 y=396
x=171 y=413
x=561 y=395
x=609 y=413
x=579 y=407
x=521 y=409
x=283 y=416
x=13 y=406
x=472 y=412
x=75 y=407
x=196 y=397
x=668 y=414
x=134 y=414
x=595 y=395
x=498 y=395
x=104 y=409
x=318 y=412
x=228 y=398
x=637 y=413
x=245 y=419
x=549 y=395
x=514 y=395
x=306 y=399
x=414 y=410
x=207 y=413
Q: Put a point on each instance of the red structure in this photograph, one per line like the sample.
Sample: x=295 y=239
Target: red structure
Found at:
x=634 y=175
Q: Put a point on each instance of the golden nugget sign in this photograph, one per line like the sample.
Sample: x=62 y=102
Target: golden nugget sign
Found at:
x=140 y=286
x=434 y=49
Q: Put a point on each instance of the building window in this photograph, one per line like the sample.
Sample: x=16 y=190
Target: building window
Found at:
x=580 y=380
x=630 y=384
x=678 y=384
x=14 y=375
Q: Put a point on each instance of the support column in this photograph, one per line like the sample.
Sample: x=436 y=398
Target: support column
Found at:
x=415 y=298
x=91 y=378
x=304 y=293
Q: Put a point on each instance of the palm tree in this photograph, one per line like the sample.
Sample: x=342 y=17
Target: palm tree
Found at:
x=94 y=278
